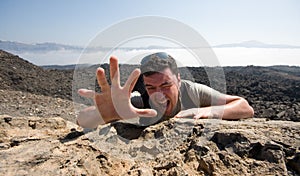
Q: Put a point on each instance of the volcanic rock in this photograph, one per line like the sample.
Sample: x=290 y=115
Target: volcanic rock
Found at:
x=273 y=92
x=20 y=75
x=54 y=146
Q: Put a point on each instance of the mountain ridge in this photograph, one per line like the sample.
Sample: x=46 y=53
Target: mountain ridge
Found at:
x=51 y=46
x=256 y=44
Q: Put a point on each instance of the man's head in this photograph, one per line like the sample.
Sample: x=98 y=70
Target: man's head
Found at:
x=157 y=62
x=162 y=82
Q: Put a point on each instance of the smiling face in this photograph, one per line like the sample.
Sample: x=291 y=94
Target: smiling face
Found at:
x=163 y=90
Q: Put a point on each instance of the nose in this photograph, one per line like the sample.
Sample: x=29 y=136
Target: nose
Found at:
x=158 y=96
x=160 y=89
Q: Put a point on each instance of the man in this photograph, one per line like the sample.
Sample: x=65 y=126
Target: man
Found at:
x=169 y=96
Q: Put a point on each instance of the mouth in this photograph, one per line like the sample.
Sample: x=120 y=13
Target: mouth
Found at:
x=168 y=102
x=161 y=102
x=164 y=104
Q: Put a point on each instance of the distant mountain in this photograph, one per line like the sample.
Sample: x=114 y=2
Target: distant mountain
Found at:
x=44 y=47
x=39 y=47
x=21 y=48
x=64 y=67
x=255 y=44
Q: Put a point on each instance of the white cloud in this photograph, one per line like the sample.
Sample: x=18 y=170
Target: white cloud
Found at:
x=257 y=56
x=226 y=56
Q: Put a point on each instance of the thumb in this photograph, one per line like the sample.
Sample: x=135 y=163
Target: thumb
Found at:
x=146 y=112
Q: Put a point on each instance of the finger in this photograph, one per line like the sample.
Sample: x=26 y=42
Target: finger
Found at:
x=203 y=114
x=184 y=113
x=132 y=79
x=146 y=112
x=198 y=116
x=98 y=101
x=114 y=71
x=102 y=79
x=86 y=93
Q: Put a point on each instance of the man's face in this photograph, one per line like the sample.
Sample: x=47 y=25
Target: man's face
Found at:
x=163 y=90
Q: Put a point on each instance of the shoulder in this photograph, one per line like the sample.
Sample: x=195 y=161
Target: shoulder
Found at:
x=187 y=85
x=190 y=94
x=198 y=90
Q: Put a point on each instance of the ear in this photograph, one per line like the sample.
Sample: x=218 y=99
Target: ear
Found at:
x=179 y=80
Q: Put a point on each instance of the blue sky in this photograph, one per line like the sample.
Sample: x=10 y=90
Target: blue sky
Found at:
x=218 y=21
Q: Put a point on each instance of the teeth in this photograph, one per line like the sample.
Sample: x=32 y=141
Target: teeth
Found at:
x=162 y=101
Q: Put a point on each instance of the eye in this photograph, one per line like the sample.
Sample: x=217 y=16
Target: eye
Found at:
x=167 y=85
x=150 y=88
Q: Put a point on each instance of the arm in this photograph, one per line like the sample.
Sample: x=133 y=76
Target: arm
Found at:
x=235 y=108
x=213 y=104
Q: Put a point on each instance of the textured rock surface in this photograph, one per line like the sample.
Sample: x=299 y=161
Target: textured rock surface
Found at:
x=53 y=146
x=18 y=103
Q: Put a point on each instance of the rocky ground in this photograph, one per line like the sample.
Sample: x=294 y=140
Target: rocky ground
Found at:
x=273 y=92
x=54 y=146
x=38 y=135
x=20 y=103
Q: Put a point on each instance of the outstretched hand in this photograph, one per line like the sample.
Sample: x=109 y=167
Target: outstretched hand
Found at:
x=113 y=103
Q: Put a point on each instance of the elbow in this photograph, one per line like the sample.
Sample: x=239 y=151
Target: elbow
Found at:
x=239 y=108
x=248 y=110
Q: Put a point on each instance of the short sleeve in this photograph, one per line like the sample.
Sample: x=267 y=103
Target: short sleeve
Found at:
x=202 y=95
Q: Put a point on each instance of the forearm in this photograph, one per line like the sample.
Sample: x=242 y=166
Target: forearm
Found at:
x=235 y=108
x=238 y=109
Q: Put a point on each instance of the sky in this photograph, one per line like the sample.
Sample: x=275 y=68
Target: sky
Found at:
x=218 y=21
x=77 y=22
